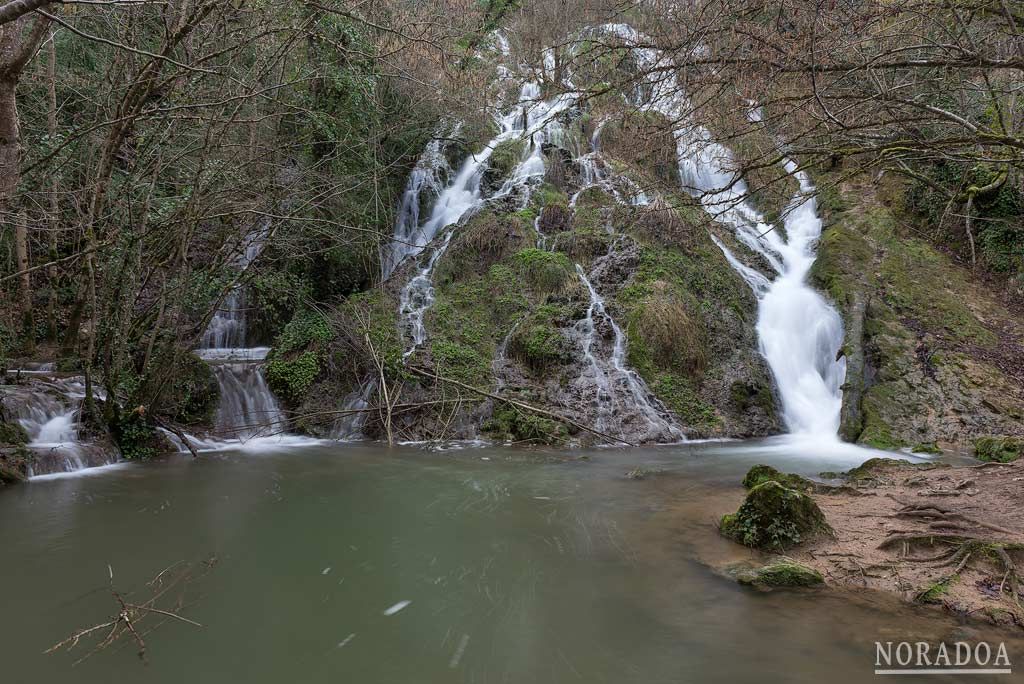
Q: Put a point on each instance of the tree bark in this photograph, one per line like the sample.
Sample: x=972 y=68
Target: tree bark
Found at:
x=54 y=213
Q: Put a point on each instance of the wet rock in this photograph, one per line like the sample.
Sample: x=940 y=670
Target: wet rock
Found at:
x=760 y=474
x=774 y=517
x=779 y=573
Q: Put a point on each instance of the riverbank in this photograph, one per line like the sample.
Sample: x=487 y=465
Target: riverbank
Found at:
x=933 y=534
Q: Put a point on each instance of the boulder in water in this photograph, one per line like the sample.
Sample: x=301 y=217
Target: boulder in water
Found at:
x=780 y=572
x=774 y=517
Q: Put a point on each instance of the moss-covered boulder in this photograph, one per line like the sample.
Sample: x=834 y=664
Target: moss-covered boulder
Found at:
x=12 y=433
x=760 y=474
x=510 y=423
x=503 y=161
x=774 y=517
x=779 y=573
x=998 y=449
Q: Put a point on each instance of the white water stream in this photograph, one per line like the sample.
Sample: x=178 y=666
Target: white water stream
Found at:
x=800 y=333
x=48 y=411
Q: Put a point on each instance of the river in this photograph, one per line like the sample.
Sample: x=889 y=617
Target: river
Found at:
x=478 y=564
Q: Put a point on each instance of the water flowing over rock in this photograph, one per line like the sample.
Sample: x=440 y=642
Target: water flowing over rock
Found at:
x=248 y=415
x=48 y=410
x=800 y=333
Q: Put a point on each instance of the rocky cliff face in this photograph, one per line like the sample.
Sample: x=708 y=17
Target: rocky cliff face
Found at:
x=935 y=358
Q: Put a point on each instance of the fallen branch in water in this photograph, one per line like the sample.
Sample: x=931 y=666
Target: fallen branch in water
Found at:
x=518 y=404
x=177 y=432
x=125 y=623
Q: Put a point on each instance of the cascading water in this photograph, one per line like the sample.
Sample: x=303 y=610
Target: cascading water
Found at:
x=48 y=411
x=620 y=391
x=800 y=333
x=536 y=122
x=533 y=120
x=248 y=414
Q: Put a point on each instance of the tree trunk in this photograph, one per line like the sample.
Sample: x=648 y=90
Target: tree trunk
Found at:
x=54 y=213
x=10 y=164
x=24 y=283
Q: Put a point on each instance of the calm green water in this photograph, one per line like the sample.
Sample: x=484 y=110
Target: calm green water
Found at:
x=517 y=566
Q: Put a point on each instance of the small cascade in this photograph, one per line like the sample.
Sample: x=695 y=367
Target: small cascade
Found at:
x=533 y=120
x=248 y=415
x=48 y=410
x=621 y=394
x=350 y=425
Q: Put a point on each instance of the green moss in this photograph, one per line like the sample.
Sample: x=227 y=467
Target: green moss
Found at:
x=933 y=593
x=780 y=573
x=510 y=423
x=298 y=355
x=926 y=448
x=539 y=343
x=374 y=314
x=998 y=449
x=774 y=517
x=505 y=157
x=12 y=433
x=544 y=271
x=880 y=405
x=460 y=362
x=760 y=474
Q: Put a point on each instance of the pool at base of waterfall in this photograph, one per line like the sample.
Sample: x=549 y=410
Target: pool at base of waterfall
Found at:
x=467 y=563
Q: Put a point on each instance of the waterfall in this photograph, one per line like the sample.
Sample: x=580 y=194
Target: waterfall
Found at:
x=800 y=334
x=532 y=120
x=620 y=391
x=248 y=415
x=48 y=412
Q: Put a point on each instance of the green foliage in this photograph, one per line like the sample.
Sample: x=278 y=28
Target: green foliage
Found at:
x=999 y=449
x=297 y=357
x=192 y=393
x=136 y=436
x=12 y=433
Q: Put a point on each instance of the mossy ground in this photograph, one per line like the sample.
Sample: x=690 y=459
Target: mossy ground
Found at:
x=998 y=449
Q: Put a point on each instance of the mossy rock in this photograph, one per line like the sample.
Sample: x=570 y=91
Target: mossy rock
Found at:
x=13 y=433
x=193 y=392
x=503 y=159
x=774 y=517
x=998 y=449
x=512 y=424
x=298 y=356
x=780 y=573
x=760 y=474
x=545 y=271
x=14 y=462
